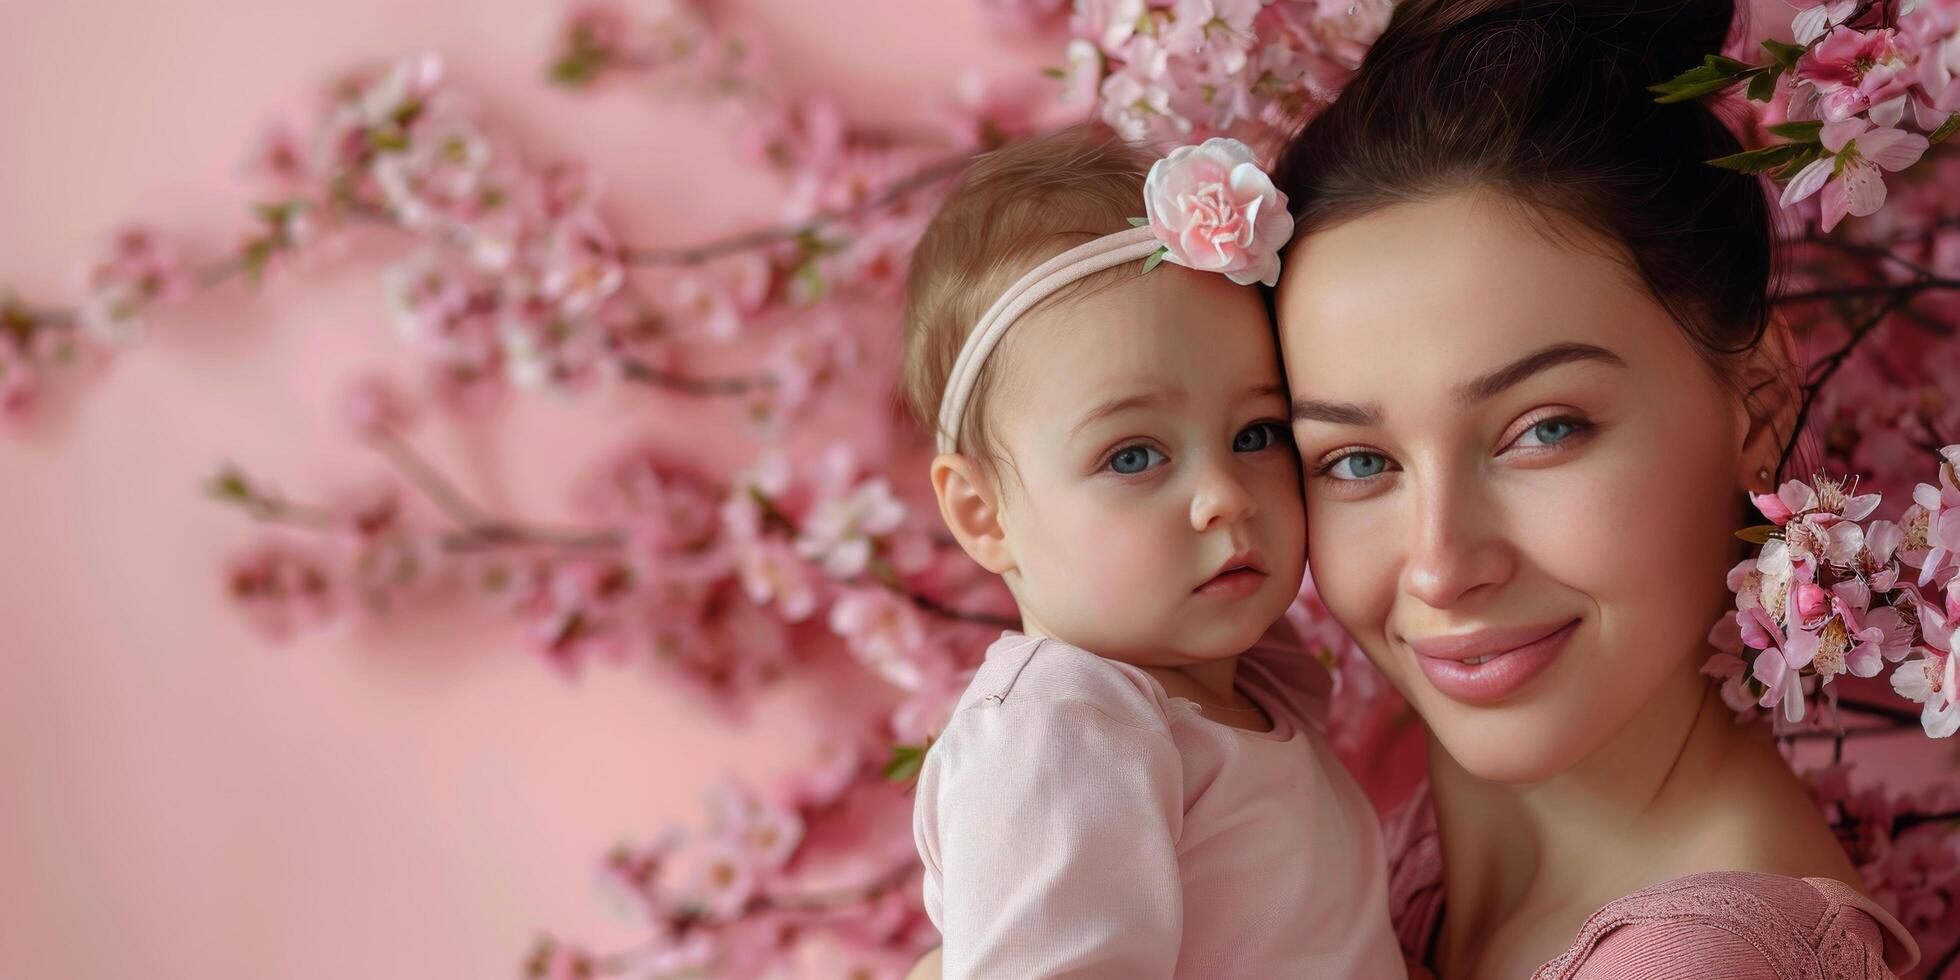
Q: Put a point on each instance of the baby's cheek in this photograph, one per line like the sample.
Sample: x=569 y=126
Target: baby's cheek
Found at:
x=1120 y=554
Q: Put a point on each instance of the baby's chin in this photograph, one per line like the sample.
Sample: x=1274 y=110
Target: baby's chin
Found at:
x=1177 y=643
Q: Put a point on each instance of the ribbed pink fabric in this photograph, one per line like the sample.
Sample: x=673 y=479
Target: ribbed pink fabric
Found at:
x=1076 y=821
x=1739 y=925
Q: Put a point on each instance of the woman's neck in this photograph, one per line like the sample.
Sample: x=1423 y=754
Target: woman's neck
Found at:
x=1680 y=789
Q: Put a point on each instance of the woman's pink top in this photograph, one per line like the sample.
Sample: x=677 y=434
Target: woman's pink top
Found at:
x=1739 y=925
x=1075 y=820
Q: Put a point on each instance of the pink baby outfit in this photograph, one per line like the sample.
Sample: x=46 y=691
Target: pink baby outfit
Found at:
x=1737 y=925
x=1075 y=820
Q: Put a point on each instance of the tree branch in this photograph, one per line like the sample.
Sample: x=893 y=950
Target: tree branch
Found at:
x=707 y=251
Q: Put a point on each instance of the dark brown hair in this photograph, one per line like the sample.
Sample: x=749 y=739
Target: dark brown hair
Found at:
x=1547 y=102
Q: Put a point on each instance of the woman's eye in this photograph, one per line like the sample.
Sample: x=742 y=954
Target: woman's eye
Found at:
x=1256 y=437
x=1132 y=460
x=1551 y=432
x=1358 y=466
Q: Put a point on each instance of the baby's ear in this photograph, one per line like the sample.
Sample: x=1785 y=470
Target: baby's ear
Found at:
x=969 y=503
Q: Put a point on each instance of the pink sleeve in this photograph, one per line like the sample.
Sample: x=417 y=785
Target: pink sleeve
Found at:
x=1689 y=949
x=1049 y=834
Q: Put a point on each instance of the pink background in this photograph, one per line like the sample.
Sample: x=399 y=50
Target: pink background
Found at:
x=178 y=798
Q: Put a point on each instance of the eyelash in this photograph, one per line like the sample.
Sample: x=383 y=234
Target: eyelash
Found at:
x=1282 y=438
x=1581 y=426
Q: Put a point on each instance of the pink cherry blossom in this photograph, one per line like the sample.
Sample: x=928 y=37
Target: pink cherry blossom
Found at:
x=1930 y=680
x=1108 y=23
x=19 y=380
x=841 y=531
x=282 y=590
x=1812 y=22
x=1136 y=102
x=1214 y=35
x=1933 y=524
x=373 y=406
x=138 y=270
x=1854 y=71
x=884 y=632
x=725 y=879
x=772 y=572
x=724 y=300
x=1216 y=211
x=1850 y=177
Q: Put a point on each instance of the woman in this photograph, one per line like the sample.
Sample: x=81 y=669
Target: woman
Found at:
x=1526 y=329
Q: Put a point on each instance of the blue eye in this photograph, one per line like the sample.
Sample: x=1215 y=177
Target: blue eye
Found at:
x=1360 y=466
x=1132 y=460
x=1256 y=437
x=1551 y=432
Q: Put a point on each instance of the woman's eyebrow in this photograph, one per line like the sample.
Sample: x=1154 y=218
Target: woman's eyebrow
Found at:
x=1486 y=387
x=1467 y=394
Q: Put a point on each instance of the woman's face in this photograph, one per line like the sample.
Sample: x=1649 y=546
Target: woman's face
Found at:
x=1521 y=479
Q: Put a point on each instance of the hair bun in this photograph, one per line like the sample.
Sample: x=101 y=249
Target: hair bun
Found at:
x=1641 y=42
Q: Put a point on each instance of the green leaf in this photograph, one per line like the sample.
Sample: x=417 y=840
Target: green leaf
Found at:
x=1759 y=534
x=1759 y=161
x=230 y=484
x=1155 y=258
x=1811 y=152
x=905 y=763
x=812 y=279
x=1137 y=222
x=1946 y=129
x=1712 y=75
x=1055 y=73
x=1785 y=55
x=1802 y=132
x=1762 y=88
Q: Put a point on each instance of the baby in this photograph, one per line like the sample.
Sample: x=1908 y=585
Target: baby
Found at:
x=1137 y=782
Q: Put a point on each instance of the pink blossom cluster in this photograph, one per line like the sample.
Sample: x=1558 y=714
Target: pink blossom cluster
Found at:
x=1182 y=70
x=1835 y=592
x=1866 y=89
x=825 y=858
x=1904 y=847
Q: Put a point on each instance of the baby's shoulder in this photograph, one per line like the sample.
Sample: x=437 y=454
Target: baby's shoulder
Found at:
x=1033 y=674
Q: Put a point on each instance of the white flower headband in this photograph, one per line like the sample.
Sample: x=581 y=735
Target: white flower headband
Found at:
x=1208 y=207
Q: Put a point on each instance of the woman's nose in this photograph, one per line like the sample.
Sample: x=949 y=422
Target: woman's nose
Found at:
x=1221 y=497
x=1456 y=545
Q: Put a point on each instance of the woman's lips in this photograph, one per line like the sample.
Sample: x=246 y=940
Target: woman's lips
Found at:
x=1490 y=665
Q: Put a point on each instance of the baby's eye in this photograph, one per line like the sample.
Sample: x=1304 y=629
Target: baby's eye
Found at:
x=1357 y=466
x=1132 y=460
x=1256 y=437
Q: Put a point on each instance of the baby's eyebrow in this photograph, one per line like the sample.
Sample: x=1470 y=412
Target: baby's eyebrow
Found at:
x=1115 y=405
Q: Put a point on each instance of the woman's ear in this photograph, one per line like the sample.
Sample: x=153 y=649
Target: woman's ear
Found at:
x=1772 y=397
x=970 y=505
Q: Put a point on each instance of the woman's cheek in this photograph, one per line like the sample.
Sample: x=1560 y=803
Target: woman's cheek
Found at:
x=1353 y=554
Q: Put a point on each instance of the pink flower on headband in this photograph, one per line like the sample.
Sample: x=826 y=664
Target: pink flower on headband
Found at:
x=1216 y=211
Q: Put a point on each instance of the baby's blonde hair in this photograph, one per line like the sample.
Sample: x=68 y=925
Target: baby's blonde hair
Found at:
x=1013 y=209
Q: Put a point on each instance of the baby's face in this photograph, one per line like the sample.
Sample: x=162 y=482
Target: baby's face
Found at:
x=1147 y=425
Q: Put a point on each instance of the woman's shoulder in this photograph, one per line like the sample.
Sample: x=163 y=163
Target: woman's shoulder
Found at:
x=1743 y=924
x=1739 y=924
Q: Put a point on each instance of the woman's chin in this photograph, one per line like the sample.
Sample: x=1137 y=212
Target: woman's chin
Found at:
x=1517 y=745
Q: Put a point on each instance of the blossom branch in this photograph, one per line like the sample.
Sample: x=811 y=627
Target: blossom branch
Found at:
x=479 y=528
x=638 y=371
x=1830 y=365
x=707 y=251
